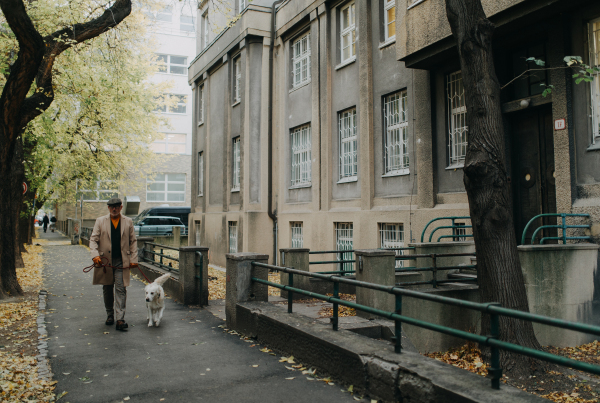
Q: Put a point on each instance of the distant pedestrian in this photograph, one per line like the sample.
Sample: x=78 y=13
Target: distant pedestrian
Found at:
x=52 y=223
x=45 y=221
x=113 y=237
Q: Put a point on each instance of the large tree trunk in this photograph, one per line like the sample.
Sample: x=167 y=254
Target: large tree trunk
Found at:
x=17 y=201
x=498 y=267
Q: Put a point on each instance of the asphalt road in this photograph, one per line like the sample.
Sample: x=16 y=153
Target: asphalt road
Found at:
x=187 y=359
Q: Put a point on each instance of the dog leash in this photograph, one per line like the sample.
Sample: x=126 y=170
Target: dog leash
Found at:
x=105 y=265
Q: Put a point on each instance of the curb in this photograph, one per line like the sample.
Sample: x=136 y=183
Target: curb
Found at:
x=43 y=364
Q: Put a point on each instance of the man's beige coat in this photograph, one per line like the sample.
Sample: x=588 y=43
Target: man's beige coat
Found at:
x=100 y=246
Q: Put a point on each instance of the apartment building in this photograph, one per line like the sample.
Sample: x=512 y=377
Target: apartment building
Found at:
x=356 y=136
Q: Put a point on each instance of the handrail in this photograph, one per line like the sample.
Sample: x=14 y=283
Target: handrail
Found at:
x=161 y=246
x=453 y=226
x=564 y=238
x=491 y=308
x=161 y=255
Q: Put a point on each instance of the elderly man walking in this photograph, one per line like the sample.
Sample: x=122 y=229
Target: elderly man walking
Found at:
x=113 y=237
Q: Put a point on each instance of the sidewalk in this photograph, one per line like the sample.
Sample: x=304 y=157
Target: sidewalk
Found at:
x=187 y=359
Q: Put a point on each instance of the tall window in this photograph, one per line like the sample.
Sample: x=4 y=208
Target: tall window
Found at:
x=205 y=30
x=237 y=79
x=166 y=187
x=186 y=23
x=457 y=119
x=101 y=191
x=172 y=64
x=389 y=19
x=348 y=144
x=348 y=31
x=236 y=159
x=396 y=133
x=172 y=143
x=197 y=232
x=595 y=90
x=344 y=235
x=200 y=104
x=200 y=173
x=301 y=60
x=233 y=237
x=297 y=235
x=301 y=159
x=242 y=5
x=392 y=237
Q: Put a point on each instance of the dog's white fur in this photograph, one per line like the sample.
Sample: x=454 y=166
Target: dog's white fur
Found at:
x=155 y=300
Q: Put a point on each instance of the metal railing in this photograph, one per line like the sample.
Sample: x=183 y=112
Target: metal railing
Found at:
x=563 y=227
x=491 y=308
x=161 y=256
x=434 y=268
x=455 y=227
x=340 y=260
x=144 y=231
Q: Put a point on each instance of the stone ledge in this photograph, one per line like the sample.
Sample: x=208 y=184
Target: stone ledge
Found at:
x=246 y=256
x=561 y=247
x=370 y=365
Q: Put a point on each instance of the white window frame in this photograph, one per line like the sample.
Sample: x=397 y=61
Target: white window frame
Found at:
x=457 y=120
x=301 y=60
x=388 y=5
x=166 y=142
x=300 y=141
x=236 y=161
x=396 y=134
x=344 y=240
x=237 y=79
x=392 y=236
x=205 y=28
x=348 y=145
x=98 y=191
x=166 y=190
x=187 y=24
x=171 y=110
x=197 y=232
x=297 y=234
x=233 y=237
x=170 y=64
x=242 y=5
x=348 y=32
x=201 y=173
x=200 y=104
x=594 y=44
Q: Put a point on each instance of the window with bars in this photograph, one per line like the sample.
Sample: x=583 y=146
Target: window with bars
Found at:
x=301 y=157
x=186 y=23
x=389 y=19
x=197 y=232
x=171 y=143
x=101 y=191
x=237 y=79
x=459 y=233
x=301 y=60
x=348 y=144
x=595 y=85
x=236 y=160
x=348 y=32
x=200 y=173
x=172 y=64
x=457 y=119
x=297 y=235
x=396 y=134
x=200 y=104
x=166 y=187
x=344 y=235
x=233 y=237
x=392 y=237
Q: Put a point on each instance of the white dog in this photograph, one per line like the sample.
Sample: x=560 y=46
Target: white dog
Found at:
x=155 y=300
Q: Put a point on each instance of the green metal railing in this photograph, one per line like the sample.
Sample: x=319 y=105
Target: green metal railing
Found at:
x=161 y=255
x=563 y=226
x=454 y=227
x=340 y=260
x=434 y=268
x=493 y=309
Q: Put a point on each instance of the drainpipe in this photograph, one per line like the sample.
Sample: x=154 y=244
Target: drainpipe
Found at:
x=272 y=214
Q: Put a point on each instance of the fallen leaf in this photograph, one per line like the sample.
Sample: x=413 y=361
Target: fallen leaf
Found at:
x=255 y=366
x=126 y=398
x=289 y=379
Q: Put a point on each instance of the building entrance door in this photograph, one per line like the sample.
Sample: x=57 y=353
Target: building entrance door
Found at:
x=532 y=161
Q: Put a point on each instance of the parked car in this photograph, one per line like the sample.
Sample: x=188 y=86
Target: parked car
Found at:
x=165 y=211
x=157 y=226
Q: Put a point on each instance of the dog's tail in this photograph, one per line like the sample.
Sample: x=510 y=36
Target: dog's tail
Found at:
x=162 y=279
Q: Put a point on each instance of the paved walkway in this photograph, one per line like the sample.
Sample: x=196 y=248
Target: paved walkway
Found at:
x=187 y=359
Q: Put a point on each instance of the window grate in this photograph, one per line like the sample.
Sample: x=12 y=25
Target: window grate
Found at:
x=457 y=118
x=595 y=85
x=396 y=134
x=344 y=234
x=233 y=237
x=301 y=60
x=236 y=164
x=297 y=235
x=237 y=67
x=392 y=236
x=301 y=157
x=348 y=144
x=389 y=16
x=348 y=31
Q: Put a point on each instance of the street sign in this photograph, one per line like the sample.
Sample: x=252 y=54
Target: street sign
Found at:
x=560 y=124
x=24 y=188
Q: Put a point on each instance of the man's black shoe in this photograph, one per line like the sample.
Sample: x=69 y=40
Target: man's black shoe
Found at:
x=122 y=325
x=110 y=320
